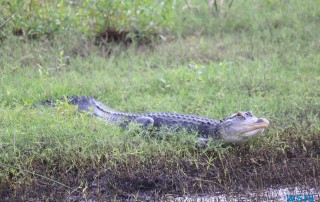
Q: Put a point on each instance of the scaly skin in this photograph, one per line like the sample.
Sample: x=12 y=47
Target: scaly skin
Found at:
x=234 y=128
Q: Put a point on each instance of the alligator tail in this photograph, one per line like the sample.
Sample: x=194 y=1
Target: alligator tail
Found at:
x=84 y=103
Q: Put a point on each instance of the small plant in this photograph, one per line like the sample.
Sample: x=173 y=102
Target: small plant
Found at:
x=2 y=25
x=91 y=17
x=217 y=6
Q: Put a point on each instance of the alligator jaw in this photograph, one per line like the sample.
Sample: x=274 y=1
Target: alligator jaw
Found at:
x=255 y=129
x=256 y=126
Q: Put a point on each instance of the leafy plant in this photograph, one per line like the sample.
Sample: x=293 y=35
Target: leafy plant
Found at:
x=36 y=18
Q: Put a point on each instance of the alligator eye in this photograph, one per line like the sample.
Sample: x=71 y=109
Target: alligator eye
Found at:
x=249 y=113
x=239 y=114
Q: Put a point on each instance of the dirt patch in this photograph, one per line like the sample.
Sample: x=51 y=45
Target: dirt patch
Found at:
x=235 y=171
x=126 y=37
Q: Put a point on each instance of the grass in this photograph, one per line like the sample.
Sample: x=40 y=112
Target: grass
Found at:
x=265 y=59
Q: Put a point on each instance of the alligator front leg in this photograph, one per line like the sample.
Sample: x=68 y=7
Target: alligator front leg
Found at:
x=201 y=142
x=146 y=122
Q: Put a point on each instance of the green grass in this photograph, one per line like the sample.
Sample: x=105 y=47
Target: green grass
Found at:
x=262 y=56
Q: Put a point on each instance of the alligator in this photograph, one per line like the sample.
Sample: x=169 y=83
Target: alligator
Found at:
x=233 y=129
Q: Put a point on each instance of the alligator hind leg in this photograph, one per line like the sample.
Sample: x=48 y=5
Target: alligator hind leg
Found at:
x=144 y=121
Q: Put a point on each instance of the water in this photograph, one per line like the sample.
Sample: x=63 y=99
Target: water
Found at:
x=292 y=194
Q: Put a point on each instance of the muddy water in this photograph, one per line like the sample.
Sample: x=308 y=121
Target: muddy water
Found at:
x=292 y=194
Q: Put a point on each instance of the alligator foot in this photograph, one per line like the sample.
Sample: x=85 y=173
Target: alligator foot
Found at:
x=201 y=142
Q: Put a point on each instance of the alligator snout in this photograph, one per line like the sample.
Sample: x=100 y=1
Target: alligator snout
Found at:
x=262 y=120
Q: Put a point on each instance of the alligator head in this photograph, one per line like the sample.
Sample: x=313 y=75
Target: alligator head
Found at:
x=241 y=126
